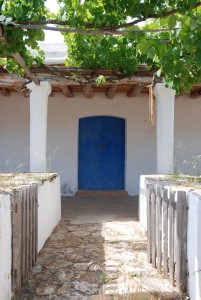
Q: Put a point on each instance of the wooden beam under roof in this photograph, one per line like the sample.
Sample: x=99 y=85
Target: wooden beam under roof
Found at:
x=135 y=91
x=5 y=92
x=88 y=90
x=111 y=92
x=66 y=91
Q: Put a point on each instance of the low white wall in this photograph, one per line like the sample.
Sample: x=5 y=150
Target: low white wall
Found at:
x=142 y=213
x=49 y=209
x=49 y=214
x=5 y=247
x=194 y=245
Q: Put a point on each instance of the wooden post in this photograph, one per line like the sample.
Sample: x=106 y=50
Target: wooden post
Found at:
x=16 y=240
x=171 y=211
x=181 y=242
x=165 y=233
x=149 y=223
x=159 y=229
x=153 y=227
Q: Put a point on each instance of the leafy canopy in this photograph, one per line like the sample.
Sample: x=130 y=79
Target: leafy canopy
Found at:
x=165 y=35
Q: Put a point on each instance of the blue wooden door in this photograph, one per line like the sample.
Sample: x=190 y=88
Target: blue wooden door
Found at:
x=101 y=153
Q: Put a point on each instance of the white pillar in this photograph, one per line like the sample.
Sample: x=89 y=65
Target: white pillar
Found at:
x=38 y=125
x=164 y=128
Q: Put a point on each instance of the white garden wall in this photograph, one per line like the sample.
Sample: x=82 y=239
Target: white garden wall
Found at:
x=5 y=247
x=62 y=138
x=194 y=245
x=49 y=209
x=49 y=214
x=187 y=134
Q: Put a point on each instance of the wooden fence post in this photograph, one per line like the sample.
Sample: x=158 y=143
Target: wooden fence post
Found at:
x=171 y=213
x=159 y=228
x=181 y=241
x=149 y=224
x=165 y=232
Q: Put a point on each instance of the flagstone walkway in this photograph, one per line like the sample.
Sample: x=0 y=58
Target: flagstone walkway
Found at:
x=98 y=251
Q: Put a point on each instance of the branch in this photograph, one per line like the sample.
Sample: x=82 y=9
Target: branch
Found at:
x=115 y=27
x=94 y=31
x=22 y=63
x=153 y=16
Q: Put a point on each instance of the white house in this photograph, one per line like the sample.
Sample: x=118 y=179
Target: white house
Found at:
x=96 y=137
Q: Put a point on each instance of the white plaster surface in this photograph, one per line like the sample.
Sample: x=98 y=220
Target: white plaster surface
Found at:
x=5 y=247
x=165 y=98
x=62 y=134
x=142 y=214
x=38 y=125
x=194 y=245
x=49 y=209
x=187 y=135
x=64 y=115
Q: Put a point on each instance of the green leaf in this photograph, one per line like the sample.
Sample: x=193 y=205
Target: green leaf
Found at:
x=2 y=18
x=158 y=73
x=172 y=21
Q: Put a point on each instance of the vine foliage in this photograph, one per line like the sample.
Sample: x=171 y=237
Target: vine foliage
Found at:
x=113 y=34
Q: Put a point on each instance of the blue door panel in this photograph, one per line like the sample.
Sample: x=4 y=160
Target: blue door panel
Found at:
x=113 y=148
x=101 y=153
x=89 y=172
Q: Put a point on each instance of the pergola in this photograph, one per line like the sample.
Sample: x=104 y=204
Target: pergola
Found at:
x=48 y=80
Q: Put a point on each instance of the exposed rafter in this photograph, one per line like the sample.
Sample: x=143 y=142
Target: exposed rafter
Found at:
x=88 y=90
x=111 y=91
x=135 y=91
x=66 y=91
x=5 y=92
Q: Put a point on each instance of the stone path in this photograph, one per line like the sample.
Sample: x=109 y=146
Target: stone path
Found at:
x=106 y=259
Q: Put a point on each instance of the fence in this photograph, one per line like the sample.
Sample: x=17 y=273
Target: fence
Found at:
x=24 y=233
x=167 y=233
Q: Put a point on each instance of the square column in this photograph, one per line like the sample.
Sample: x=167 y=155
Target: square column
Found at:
x=164 y=128
x=38 y=125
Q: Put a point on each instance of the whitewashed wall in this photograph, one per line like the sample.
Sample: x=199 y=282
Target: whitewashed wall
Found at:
x=63 y=116
x=14 y=133
x=5 y=247
x=49 y=214
x=187 y=134
x=194 y=245
x=49 y=209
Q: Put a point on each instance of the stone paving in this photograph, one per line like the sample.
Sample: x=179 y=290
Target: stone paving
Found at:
x=97 y=251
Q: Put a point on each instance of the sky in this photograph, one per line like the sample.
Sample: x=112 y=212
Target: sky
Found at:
x=52 y=36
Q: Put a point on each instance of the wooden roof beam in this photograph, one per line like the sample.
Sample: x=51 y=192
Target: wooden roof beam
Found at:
x=135 y=91
x=88 y=90
x=111 y=92
x=66 y=91
x=5 y=92
x=195 y=94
